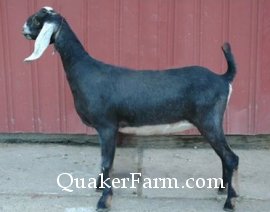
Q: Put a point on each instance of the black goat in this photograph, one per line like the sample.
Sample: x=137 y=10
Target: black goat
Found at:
x=113 y=99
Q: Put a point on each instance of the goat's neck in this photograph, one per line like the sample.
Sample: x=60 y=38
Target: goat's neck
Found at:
x=68 y=46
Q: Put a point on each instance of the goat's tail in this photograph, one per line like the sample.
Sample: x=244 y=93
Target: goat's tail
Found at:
x=231 y=71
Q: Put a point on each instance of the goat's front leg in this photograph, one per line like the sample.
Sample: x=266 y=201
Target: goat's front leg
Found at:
x=108 y=139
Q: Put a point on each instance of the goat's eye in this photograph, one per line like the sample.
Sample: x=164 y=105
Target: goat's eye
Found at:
x=36 y=22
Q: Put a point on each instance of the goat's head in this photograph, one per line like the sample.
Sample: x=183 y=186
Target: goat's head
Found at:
x=43 y=26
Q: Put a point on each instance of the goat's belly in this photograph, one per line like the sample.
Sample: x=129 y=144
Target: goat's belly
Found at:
x=158 y=129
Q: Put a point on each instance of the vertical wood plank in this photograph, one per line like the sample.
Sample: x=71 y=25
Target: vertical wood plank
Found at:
x=263 y=73
x=18 y=74
x=152 y=34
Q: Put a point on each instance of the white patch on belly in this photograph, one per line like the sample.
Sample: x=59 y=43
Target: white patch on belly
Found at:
x=158 y=129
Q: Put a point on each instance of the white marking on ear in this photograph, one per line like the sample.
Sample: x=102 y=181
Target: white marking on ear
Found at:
x=42 y=41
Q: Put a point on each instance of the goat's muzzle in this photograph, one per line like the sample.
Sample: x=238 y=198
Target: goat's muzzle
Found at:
x=26 y=32
x=27 y=36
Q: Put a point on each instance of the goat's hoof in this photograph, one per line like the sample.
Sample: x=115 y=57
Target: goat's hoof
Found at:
x=229 y=206
x=104 y=203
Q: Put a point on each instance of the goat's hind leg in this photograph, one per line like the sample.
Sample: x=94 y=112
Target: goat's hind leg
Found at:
x=224 y=185
x=108 y=139
x=231 y=163
x=215 y=136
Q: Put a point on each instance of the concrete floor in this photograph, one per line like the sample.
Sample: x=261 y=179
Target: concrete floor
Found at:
x=29 y=172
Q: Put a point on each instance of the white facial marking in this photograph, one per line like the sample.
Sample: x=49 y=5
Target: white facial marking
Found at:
x=26 y=28
x=158 y=129
x=26 y=31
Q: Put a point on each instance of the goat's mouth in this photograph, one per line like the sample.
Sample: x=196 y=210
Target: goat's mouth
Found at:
x=28 y=37
x=28 y=34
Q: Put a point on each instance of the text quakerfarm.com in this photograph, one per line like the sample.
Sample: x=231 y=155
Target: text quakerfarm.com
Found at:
x=67 y=182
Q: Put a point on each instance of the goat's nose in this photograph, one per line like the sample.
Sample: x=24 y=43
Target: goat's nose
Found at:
x=26 y=32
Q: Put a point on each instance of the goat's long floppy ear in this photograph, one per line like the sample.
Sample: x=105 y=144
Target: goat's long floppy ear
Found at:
x=42 y=41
